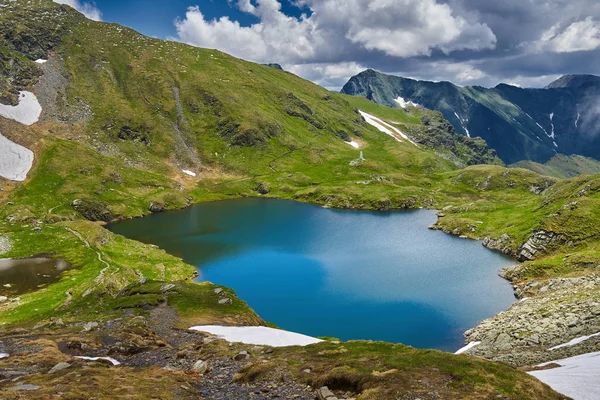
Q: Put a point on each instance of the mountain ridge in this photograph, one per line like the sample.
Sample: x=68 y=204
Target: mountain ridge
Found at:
x=520 y=124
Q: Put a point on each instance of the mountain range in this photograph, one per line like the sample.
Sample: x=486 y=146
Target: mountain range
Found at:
x=520 y=124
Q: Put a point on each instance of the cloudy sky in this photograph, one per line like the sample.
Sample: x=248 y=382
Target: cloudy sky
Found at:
x=470 y=42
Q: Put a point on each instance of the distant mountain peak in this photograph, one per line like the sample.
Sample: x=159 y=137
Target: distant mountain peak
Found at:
x=574 y=81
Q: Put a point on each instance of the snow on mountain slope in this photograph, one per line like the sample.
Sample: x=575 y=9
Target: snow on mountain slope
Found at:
x=15 y=160
x=384 y=127
x=27 y=112
x=577 y=377
x=258 y=335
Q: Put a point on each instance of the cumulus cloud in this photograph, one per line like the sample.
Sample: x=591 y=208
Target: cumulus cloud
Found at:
x=579 y=36
x=86 y=8
x=330 y=76
x=334 y=32
x=470 y=42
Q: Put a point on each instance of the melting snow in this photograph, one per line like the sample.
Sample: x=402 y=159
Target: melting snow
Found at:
x=257 y=335
x=27 y=112
x=552 y=134
x=574 y=341
x=188 y=172
x=462 y=123
x=354 y=144
x=577 y=377
x=112 y=360
x=41 y=61
x=403 y=103
x=385 y=127
x=468 y=347
x=15 y=160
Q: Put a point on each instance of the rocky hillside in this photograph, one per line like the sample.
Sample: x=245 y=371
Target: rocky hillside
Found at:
x=520 y=124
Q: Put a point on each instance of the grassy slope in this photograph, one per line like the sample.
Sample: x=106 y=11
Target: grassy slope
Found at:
x=563 y=166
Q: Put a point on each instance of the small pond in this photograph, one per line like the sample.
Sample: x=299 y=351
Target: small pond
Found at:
x=18 y=276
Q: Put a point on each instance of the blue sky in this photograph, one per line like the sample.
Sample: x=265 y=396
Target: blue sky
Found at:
x=156 y=17
x=470 y=42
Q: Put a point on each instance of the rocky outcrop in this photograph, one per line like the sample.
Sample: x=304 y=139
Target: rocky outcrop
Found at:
x=502 y=244
x=538 y=243
x=555 y=312
x=93 y=210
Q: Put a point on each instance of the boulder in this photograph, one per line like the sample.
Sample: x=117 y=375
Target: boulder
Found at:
x=325 y=394
x=25 y=387
x=241 y=356
x=167 y=287
x=90 y=326
x=59 y=367
x=157 y=207
x=226 y=300
x=261 y=188
x=200 y=367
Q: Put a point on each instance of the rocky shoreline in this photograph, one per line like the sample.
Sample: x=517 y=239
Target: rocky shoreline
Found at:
x=548 y=314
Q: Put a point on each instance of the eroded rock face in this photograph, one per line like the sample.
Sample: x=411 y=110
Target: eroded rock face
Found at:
x=538 y=242
x=502 y=244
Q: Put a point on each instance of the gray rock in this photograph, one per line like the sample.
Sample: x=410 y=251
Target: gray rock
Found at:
x=25 y=387
x=59 y=367
x=241 y=356
x=218 y=291
x=225 y=300
x=538 y=242
x=167 y=287
x=325 y=394
x=3 y=299
x=200 y=367
x=90 y=326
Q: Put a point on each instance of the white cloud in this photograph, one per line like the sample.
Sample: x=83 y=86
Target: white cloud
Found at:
x=88 y=9
x=330 y=76
x=333 y=33
x=582 y=35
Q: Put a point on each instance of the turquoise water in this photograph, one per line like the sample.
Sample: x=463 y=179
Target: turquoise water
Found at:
x=346 y=274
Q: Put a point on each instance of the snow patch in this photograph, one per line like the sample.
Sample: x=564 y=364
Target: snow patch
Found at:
x=41 y=61
x=462 y=123
x=3 y=355
x=552 y=134
x=112 y=360
x=27 y=112
x=15 y=160
x=188 y=172
x=577 y=377
x=468 y=347
x=385 y=127
x=257 y=335
x=354 y=144
x=575 y=341
x=403 y=103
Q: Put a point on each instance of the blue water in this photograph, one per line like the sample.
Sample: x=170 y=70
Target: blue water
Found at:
x=346 y=274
